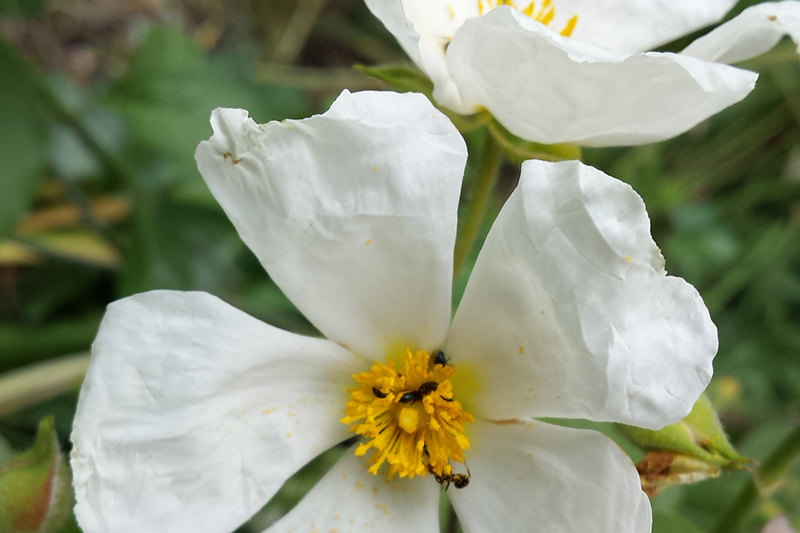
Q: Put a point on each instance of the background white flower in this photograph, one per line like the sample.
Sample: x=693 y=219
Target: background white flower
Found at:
x=598 y=86
x=193 y=414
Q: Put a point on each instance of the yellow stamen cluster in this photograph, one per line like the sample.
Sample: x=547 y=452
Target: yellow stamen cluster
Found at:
x=544 y=14
x=413 y=426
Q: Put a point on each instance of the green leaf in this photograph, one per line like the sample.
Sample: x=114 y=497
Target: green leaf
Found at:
x=664 y=523
x=21 y=8
x=23 y=136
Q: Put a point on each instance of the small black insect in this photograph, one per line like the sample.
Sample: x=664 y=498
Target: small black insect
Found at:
x=410 y=397
x=459 y=481
x=377 y=392
x=440 y=359
x=428 y=387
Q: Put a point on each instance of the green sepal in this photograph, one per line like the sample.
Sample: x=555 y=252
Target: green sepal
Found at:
x=25 y=9
x=520 y=150
x=35 y=490
x=407 y=78
x=404 y=78
x=708 y=431
x=699 y=435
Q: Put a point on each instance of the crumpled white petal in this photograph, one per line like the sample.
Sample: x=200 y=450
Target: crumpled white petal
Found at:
x=423 y=28
x=350 y=499
x=193 y=414
x=569 y=312
x=756 y=30
x=352 y=213
x=547 y=88
x=533 y=476
x=640 y=25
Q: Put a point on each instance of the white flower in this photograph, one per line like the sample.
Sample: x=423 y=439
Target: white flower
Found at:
x=193 y=414
x=577 y=70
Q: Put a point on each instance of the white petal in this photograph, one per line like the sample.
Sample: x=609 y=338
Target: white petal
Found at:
x=352 y=213
x=569 y=312
x=532 y=476
x=392 y=15
x=424 y=28
x=550 y=89
x=351 y=499
x=638 y=25
x=756 y=30
x=193 y=414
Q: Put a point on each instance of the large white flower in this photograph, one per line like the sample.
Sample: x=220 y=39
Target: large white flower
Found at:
x=193 y=414
x=577 y=70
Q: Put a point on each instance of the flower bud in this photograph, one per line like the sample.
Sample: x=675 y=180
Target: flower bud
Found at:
x=35 y=491
x=659 y=470
x=694 y=449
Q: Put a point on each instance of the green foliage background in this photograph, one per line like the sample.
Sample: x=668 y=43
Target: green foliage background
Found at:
x=102 y=104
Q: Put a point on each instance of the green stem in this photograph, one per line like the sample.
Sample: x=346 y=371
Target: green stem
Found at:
x=488 y=166
x=32 y=384
x=297 y=30
x=764 y=480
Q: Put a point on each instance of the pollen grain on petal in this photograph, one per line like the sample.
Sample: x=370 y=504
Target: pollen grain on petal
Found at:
x=408 y=416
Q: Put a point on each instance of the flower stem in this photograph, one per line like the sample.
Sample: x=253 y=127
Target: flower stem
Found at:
x=488 y=168
x=764 y=480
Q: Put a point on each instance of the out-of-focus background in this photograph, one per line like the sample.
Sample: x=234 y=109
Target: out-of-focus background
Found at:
x=102 y=103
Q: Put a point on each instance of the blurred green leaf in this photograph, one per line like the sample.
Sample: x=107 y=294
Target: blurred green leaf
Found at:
x=23 y=136
x=21 y=345
x=179 y=245
x=664 y=523
x=6 y=451
x=170 y=89
x=21 y=8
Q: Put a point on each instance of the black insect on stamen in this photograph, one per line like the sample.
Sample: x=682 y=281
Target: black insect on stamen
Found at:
x=440 y=359
x=459 y=481
x=428 y=387
x=377 y=392
x=410 y=397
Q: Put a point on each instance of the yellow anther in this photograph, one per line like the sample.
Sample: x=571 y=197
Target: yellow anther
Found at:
x=568 y=29
x=545 y=14
x=409 y=417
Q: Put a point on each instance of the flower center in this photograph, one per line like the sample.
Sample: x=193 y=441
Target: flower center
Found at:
x=544 y=14
x=409 y=416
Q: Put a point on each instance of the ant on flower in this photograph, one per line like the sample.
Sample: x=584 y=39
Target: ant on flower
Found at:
x=459 y=481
